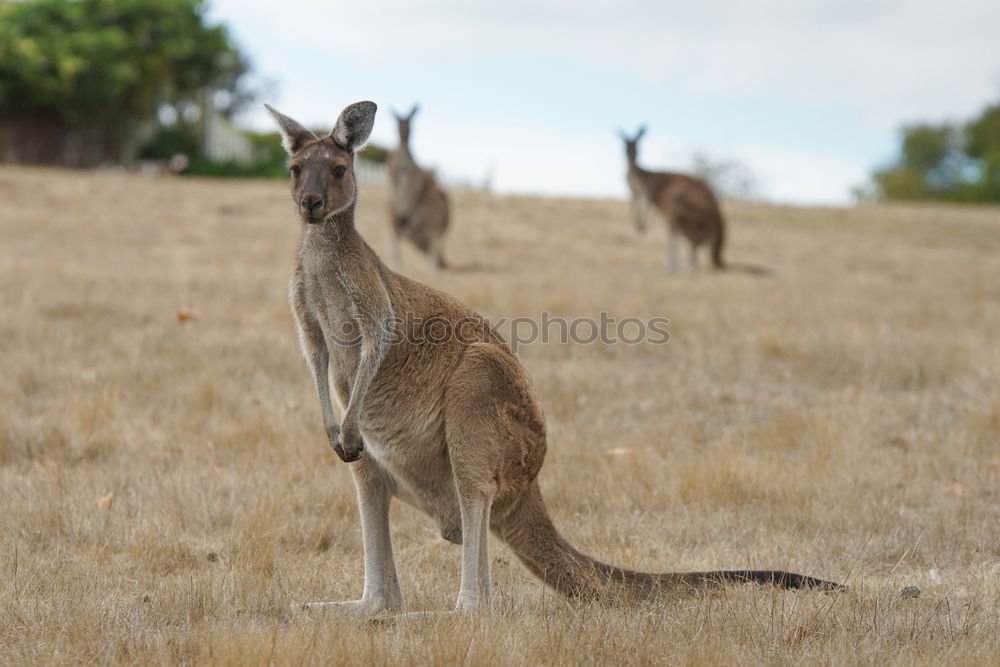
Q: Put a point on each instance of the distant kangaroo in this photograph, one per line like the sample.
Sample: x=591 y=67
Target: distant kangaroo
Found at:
x=436 y=409
x=418 y=206
x=688 y=206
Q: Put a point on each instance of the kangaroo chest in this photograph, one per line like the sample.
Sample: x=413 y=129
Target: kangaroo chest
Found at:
x=408 y=183
x=404 y=397
x=402 y=418
x=636 y=185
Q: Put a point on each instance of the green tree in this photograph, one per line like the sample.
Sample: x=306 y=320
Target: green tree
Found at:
x=926 y=147
x=94 y=72
x=949 y=162
x=982 y=143
x=929 y=165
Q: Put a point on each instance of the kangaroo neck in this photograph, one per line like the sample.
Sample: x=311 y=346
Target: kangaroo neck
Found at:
x=640 y=178
x=404 y=146
x=405 y=158
x=338 y=229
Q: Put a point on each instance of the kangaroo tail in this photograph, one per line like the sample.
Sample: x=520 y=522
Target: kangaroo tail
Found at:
x=717 y=243
x=524 y=525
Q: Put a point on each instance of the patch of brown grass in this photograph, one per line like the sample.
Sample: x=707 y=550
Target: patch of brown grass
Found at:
x=168 y=491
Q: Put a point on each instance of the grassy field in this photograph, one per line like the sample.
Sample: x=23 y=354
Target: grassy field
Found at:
x=167 y=489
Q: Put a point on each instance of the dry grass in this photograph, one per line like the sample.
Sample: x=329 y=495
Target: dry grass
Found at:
x=167 y=489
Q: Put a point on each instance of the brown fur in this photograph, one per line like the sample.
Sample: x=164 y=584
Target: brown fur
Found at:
x=418 y=207
x=452 y=427
x=687 y=204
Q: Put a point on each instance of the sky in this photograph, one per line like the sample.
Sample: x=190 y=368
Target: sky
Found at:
x=530 y=95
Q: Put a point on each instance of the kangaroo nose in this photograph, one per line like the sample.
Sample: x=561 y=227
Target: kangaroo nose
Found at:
x=311 y=203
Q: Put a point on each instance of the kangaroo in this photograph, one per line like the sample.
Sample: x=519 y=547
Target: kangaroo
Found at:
x=418 y=206
x=688 y=205
x=436 y=409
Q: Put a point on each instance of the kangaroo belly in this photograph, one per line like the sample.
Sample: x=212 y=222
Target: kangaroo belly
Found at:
x=422 y=477
x=404 y=428
x=410 y=448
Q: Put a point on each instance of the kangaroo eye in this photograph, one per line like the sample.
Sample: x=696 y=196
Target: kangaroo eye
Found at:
x=296 y=170
x=339 y=171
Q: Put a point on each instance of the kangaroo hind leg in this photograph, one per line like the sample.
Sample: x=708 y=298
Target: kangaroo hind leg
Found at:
x=475 y=463
x=382 y=593
x=496 y=443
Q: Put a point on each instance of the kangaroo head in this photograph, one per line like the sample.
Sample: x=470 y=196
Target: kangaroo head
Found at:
x=632 y=145
x=322 y=169
x=404 y=124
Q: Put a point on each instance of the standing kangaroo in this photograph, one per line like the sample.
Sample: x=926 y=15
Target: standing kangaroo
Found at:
x=436 y=409
x=687 y=204
x=418 y=206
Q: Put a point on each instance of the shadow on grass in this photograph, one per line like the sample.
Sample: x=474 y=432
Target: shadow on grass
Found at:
x=473 y=267
x=750 y=269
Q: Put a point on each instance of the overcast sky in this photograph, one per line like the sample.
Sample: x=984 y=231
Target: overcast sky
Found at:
x=807 y=93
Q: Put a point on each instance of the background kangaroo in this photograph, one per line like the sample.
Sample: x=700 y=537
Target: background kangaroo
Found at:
x=688 y=205
x=418 y=206
x=451 y=427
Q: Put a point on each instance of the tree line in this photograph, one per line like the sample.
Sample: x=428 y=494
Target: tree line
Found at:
x=957 y=162
x=91 y=82
x=81 y=83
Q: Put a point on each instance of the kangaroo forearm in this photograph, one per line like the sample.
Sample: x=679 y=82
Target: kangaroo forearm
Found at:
x=315 y=351
x=374 y=346
x=374 y=317
x=367 y=368
x=319 y=364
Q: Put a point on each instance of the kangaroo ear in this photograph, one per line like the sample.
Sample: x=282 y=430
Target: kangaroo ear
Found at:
x=413 y=112
x=642 y=131
x=354 y=125
x=293 y=135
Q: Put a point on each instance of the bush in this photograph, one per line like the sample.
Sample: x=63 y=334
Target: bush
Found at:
x=271 y=161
